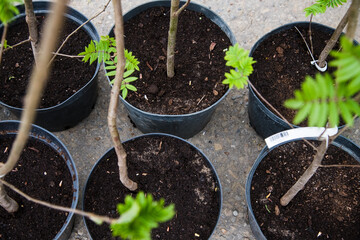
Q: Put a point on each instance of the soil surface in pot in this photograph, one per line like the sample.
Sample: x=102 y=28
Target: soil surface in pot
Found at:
x=43 y=174
x=327 y=208
x=282 y=62
x=167 y=168
x=68 y=74
x=199 y=62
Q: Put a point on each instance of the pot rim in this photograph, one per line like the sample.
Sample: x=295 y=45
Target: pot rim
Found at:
x=168 y=135
x=65 y=154
x=194 y=7
x=341 y=142
x=287 y=26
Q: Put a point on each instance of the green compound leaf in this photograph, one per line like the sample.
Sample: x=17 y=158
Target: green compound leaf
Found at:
x=8 y=10
x=321 y=5
x=139 y=216
x=104 y=50
x=239 y=59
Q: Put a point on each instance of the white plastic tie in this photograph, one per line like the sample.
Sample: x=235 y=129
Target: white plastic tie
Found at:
x=321 y=69
x=299 y=133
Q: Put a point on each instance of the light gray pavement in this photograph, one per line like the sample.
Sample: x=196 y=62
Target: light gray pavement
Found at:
x=228 y=140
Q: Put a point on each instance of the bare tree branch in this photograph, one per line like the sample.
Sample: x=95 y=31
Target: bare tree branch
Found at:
x=114 y=98
x=57 y=207
x=67 y=38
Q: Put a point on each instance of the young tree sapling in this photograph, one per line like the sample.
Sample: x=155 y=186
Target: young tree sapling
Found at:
x=323 y=100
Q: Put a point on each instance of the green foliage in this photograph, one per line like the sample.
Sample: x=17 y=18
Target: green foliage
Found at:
x=321 y=5
x=239 y=59
x=105 y=50
x=324 y=99
x=138 y=216
x=8 y=10
x=5 y=44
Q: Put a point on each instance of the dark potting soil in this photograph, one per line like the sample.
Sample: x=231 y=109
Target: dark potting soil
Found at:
x=68 y=74
x=327 y=208
x=282 y=62
x=199 y=69
x=43 y=174
x=167 y=168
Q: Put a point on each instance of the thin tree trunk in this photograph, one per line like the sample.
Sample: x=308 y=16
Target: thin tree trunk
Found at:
x=3 y=38
x=174 y=18
x=6 y=201
x=114 y=99
x=37 y=84
x=334 y=38
x=353 y=19
x=310 y=171
x=32 y=25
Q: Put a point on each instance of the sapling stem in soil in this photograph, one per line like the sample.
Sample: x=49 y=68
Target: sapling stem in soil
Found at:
x=114 y=98
x=174 y=18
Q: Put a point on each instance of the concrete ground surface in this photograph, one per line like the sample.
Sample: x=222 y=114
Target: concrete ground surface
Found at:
x=228 y=140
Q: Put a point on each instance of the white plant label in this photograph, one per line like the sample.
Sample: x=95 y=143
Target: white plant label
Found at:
x=298 y=133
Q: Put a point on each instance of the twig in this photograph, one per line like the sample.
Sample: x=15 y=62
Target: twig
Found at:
x=277 y=112
x=177 y=13
x=310 y=35
x=18 y=44
x=200 y=100
x=57 y=207
x=66 y=55
x=67 y=38
x=335 y=165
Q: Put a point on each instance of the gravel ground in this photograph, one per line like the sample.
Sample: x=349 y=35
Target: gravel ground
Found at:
x=228 y=140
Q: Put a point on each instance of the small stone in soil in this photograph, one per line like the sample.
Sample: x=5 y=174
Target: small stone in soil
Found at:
x=153 y=89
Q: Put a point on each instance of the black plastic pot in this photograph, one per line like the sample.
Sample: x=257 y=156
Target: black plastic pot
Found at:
x=105 y=157
x=340 y=142
x=185 y=125
x=265 y=122
x=77 y=107
x=41 y=134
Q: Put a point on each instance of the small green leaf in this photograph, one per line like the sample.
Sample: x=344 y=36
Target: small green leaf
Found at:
x=124 y=92
x=131 y=87
x=302 y=113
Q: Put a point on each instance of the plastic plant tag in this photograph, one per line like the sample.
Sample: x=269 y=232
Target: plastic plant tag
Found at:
x=298 y=133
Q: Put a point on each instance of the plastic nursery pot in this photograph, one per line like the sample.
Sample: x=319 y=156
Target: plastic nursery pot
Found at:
x=340 y=142
x=77 y=107
x=264 y=121
x=107 y=164
x=41 y=134
x=185 y=125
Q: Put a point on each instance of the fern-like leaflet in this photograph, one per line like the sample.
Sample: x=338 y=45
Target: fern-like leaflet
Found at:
x=8 y=10
x=105 y=51
x=321 y=5
x=138 y=216
x=239 y=59
x=324 y=99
